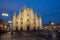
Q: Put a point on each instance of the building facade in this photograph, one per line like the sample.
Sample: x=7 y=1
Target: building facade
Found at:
x=26 y=20
x=52 y=26
x=3 y=25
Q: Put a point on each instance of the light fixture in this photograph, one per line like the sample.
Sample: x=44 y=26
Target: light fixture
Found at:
x=52 y=23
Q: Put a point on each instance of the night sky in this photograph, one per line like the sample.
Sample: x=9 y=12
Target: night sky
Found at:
x=48 y=9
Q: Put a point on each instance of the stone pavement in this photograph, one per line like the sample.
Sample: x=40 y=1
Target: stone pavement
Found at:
x=6 y=36
x=22 y=36
x=41 y=35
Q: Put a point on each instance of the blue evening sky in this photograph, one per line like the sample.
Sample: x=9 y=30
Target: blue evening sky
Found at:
x=48 y=9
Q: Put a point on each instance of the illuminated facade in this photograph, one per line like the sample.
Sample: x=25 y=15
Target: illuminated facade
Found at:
x=3 y=25
x=26 y=19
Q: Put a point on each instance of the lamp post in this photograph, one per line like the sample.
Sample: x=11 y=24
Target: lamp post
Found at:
x=53 y=32
x=9 y=23
x=5 y=15
x=52 y=23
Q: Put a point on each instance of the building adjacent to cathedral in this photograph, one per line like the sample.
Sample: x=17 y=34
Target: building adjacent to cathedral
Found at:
x=26 y=19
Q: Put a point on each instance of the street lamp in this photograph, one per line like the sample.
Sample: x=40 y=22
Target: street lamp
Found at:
x=52 y=23
x=9 y=23
x=5 y=15
x=53 y=32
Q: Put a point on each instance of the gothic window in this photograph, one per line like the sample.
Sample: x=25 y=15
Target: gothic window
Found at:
x=21 y=18
x=27 y=14
x=33 y=19
x=27 y=19
x=21 y=22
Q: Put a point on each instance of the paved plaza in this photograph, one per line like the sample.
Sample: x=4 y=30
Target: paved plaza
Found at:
x=28 y=36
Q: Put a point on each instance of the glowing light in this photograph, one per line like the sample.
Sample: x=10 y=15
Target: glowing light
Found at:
x=52 y=23
x=46 y=27
x=9 y=22
x=4 y=14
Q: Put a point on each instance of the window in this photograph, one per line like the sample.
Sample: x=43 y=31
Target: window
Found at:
x=27 y=14
x=34 y=19
x=21 y=18
x=21 y=22
x=27 y=19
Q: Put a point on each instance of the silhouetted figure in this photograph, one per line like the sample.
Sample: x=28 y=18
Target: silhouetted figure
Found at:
x=0 y=33
x=11 y=31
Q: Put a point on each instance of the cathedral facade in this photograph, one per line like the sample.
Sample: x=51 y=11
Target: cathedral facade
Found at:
x=26 y=19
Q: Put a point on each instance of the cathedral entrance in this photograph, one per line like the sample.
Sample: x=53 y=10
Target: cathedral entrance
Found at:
x=21 y=29
x=16 y=28
x=28 y=28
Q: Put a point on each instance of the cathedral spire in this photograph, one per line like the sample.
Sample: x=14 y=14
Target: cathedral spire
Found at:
x=14 y=13
x=30 y=7
x=36 y=15
x=49 y=22
x=24 y=7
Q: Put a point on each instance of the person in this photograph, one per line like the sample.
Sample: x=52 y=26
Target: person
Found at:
x=0 y=33
x=11 y=32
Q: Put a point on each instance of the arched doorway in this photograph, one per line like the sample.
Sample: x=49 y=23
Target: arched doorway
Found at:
x=21 y=29
x=16 y=28
x=28 y=28
x=34 y=29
